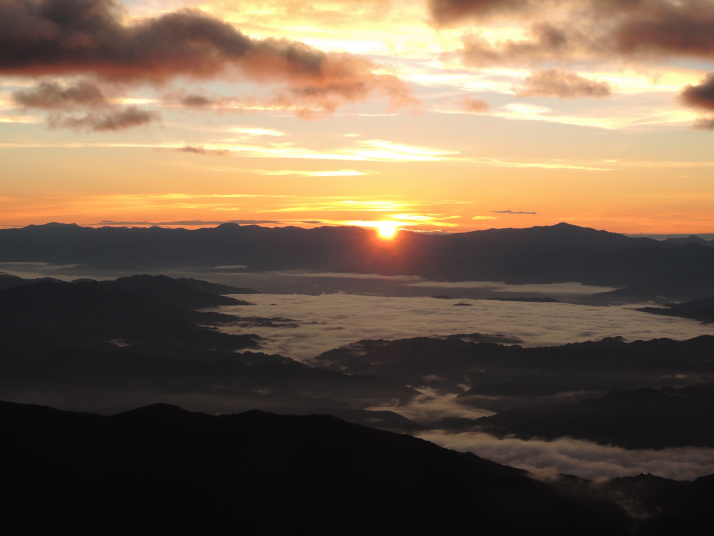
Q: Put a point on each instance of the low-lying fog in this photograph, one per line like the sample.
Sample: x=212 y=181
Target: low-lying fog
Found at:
x=306 y=325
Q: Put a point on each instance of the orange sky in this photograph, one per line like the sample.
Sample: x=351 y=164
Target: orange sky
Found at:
x=435 y=115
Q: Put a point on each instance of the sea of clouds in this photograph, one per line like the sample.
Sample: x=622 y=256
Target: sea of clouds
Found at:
x=327 y=321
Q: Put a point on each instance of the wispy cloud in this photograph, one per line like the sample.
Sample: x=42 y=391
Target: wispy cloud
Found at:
x=582 y=458
x=511 y=212
x=360 y=150
x=562 y=84
x=188 y=223
x=306 y=173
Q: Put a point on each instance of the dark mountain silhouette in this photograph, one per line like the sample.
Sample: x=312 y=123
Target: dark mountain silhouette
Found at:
x=655 y=505
x=214 y=288
x=141 y=310
x=109 y=345
x=689 y=240
x=702 y=310
x=179 y=293
x=641 y=419
x=165 y=469
x=500 y=377
x=557 y=253
x=9 y=281
x=679 y=287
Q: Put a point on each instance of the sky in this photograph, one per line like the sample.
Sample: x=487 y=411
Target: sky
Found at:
x=434 y=115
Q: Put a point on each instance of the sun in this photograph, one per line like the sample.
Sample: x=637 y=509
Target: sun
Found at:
x=386 y=230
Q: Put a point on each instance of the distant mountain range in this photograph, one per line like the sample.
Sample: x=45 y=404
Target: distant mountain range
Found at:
x=556 y=253
x=168 y=470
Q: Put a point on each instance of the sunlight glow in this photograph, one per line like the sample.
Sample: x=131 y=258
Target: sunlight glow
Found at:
x=386 y=230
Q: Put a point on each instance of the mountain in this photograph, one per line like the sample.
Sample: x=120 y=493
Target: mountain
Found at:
x=702 y=310
x=9 y=281
x=655 y=506
x=165 y=469
x=557 y=253
x=141 y=310
x=214 y=288
x=689 y=240
x=672 y=288
x=497 y=377
x=105 y=346
x=638 y=419
x=176 y=292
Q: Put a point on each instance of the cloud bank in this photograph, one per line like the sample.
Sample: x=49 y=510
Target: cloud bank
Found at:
x=605 y=29
x=329 y=321
x=582 y=458
x=63 y=100
x=90 y=38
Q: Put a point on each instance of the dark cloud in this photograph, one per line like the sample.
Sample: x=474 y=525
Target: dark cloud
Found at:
x=547 y=43
x=476 y=106
x=643 y=29
x=701 y=95
x=88 y=37
x=562 y=84
x=666 y=27
x=196 y=101
x=451 y=12
x=52 y=96
x=114 y=119
x=102 y=114
x=511 y=212
x=446 y=12
x=199 y=149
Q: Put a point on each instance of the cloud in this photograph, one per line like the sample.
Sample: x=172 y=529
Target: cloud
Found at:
x=196 y=101
x=511 y=212
x=332 y=320
x=547 y=43
x=189 y=223
x=562 y=84
x=681 y=28
x=704 y=123
x=118 y=119
x=52 y=96
x=431 y=407
x=88 y=37
x=475 y=106
x=307 y=173
x=447 y=12
x=199 y=149
x=701 y=95
x=102 y=115
x=582 y=458
x=585 y=29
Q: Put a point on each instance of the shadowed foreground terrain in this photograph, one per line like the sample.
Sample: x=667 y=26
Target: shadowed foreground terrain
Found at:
x=162 y=469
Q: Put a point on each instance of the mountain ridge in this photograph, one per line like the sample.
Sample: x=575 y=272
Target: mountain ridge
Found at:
x=544 y=254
